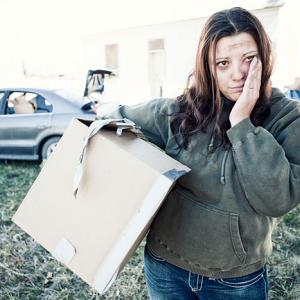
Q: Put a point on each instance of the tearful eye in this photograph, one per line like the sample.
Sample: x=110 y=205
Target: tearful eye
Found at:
x=249 y=58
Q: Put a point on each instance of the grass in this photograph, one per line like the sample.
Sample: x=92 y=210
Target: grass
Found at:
x=27 y=271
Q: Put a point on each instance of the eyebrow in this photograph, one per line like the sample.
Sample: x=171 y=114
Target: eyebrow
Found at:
x=252 y=51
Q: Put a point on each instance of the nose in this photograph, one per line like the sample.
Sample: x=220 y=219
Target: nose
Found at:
x=238 y=73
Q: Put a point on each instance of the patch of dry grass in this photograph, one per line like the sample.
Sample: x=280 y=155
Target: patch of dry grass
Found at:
x=27 y=271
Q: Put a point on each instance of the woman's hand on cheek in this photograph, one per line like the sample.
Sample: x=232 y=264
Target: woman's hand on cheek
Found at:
x=250 y=94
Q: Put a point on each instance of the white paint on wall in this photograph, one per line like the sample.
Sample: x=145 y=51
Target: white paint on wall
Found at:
x=45 y=39
x=287 y=58
x=132 y=85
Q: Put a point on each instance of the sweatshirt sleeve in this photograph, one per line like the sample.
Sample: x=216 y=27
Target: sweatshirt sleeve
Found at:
x=268 y=167
x=148 y=115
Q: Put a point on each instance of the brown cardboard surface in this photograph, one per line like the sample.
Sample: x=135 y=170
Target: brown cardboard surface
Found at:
x=122 y=187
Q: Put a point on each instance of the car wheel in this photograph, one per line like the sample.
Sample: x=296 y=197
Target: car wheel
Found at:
x=48 y=147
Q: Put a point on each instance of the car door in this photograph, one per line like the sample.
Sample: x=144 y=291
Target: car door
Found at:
x=21 y=128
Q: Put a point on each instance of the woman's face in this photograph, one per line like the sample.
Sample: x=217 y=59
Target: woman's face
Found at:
x=233 y=56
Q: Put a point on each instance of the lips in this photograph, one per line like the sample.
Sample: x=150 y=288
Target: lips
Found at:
x=237 y=89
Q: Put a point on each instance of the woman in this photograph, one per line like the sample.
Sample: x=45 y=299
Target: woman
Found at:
x=241 y=138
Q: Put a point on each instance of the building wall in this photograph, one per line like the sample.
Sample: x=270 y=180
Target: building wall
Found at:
x=132 y=84
x=11 y=63
x=287 y=66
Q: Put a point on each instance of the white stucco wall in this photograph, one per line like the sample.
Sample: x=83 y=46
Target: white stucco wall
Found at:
x=181 y=41
x=132 y=83
x=287 y=65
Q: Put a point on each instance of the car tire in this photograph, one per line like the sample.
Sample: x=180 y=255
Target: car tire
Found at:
x=49 y=146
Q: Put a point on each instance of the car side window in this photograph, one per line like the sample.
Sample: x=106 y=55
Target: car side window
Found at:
x=27 y=103
x=1 y=97
x=20 y=103
x=1 y=100
x=43 y=105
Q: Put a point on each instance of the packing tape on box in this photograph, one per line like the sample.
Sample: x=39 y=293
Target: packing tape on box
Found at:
x=94 y=128
x=64 y=251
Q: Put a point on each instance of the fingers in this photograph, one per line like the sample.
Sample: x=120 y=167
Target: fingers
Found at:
x=253 y=80
x=254 y=73
x=248 y=98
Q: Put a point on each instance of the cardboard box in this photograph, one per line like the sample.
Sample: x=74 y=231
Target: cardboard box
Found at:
x=124 y=181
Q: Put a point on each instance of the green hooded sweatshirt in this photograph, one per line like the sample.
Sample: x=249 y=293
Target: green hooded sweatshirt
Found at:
x=217 y=221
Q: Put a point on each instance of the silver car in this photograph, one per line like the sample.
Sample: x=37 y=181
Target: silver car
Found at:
x=33 y=120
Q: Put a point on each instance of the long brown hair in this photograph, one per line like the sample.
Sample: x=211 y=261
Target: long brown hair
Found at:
x=201 y=101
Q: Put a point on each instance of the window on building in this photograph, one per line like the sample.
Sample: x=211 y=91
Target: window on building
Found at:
x=156 y=45
x=111 y=57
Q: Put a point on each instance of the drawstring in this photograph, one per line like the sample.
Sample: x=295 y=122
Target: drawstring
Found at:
x=212 y=139
x=210 y=149
x=222 y=179
x=211 y=144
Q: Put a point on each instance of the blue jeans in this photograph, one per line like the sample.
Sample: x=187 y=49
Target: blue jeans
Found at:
x=168 y=282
